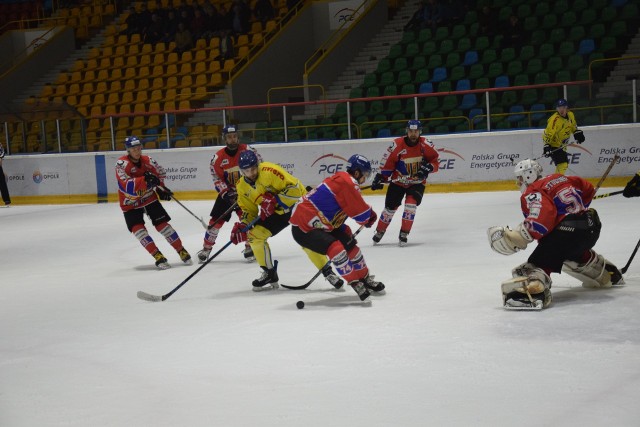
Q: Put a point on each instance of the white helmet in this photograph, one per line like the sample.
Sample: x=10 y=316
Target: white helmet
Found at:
x=527 y=172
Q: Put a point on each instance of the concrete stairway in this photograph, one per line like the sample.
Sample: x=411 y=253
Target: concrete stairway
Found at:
x=619 y=81
x=366 y=60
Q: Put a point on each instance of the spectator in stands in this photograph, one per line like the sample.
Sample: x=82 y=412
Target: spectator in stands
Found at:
x=198 y=24
x=213 y=19
x=240 y=15
x=155 y=32
x=486 y=22
x=292 y=4
x=170 y=26
x=144 y=18
x=432 y=15
x=133 y=22
x=263 y=11
x=512 y=33
x=183 y=39
x=453 y=12
x=415 y=23
x=226 y=47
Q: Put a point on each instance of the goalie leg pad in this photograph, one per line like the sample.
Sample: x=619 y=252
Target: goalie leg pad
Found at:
x=592 y=274
x=529 y=289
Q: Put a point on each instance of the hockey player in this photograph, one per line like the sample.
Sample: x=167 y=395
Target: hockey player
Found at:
x=4 y=190
x=560 y=126
x=632 y=189
x=318 y=224
x=405 y=166
x=557 y=216
x=225 y=172
x=138 y=176
x=268 y=192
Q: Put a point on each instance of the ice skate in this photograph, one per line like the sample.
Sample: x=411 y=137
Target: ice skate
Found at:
x=268 y=280
x=203 y=255
x=161 y=261
x=377 y=237
x=616 y=275
x=248 y=254
x=332 y=277
x=361 y=290
x=185 y=257
x=402 y=239
x=377 y=288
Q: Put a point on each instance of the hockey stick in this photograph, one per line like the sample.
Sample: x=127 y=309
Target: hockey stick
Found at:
x=606 y=173
x=633 y=254
x=221 y=217
x=614 y=193
x=155 y=298
x=315 y=276
x=180 y=203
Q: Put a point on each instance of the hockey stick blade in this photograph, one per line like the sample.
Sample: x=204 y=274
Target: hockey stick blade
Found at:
x=148 y=297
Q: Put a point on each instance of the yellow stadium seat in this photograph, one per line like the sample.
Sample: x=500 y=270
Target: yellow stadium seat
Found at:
x=156 y=95
x=116 y=75
x=172 y=58
x=144 y=60
x=186 y=81
x=133 y=49
x=201 y=55
x=141 y=97
x=103 y=75
x=184 y=104
x=158 y=83
x=143 y=84
x=95 y=110
x=115 y=86
x=200 y=93
x=129 y=86
x=139 y=122
x=185 y=93
x=199 y=68
x=215 y=80
x=127 y=98
x=185 y=69
x=117 y=62
x=157 y=71
x=101 y=88
x=171 y=82
x=186 y=57
x=172 y=70
x=147 y=49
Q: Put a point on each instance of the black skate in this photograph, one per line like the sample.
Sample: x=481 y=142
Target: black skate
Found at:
x=332 y=277
x=376 y=287
x=361 y=290
x=616 y=275
x=377 y=237
x=268 y=279
x=248 y=254
x=402 y=239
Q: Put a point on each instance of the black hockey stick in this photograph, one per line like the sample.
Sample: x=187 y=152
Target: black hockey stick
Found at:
x=315 y=276
x=180 y=203
x=614 y=193
x=633 y=254
x=155 y=298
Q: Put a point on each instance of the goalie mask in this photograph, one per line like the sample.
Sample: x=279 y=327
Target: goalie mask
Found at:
x=527 y=172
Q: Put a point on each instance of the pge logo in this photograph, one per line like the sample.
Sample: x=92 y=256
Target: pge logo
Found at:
x=345 y=15
x=447 y=163
x=330 y=164
x=37 y=177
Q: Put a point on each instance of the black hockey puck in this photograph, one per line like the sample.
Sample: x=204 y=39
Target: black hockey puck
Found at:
x=300 y=305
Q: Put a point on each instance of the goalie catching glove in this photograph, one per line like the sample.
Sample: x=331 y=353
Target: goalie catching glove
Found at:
x=506 y=241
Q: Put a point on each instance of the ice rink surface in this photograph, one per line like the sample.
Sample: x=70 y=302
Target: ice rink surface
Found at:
x=77 y=348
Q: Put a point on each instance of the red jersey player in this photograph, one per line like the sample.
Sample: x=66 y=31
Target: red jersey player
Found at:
x=557 y=215
x=405 y=166
x=225 y=173
x=318 y=224
x=138 y=176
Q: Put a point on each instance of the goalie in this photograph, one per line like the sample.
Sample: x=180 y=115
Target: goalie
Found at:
x=557 y=215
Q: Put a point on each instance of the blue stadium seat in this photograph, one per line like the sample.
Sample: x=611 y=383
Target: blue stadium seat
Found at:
x=468 y=101
x=502 y=81
x=439 y=74
x=470 y=58
x=586 y=46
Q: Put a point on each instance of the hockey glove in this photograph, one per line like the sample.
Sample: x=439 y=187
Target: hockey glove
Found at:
x=230 y=196
x=238 y=233
x=578 y=135
x=632 y=188
x=151 y=179
x=425 y=169
x=546 y=150
x=164 y=193
x=372 y=219
x=268 y=205
x=377 y=182
x=506 y=241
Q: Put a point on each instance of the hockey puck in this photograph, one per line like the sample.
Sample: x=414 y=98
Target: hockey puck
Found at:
x=300 y=305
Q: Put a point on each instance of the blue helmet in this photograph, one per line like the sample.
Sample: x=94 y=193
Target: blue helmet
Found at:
x=562 y=103
x=359 y=162
x=229 y=129
x=414 y=125
x=248 y=159
x=131 y=141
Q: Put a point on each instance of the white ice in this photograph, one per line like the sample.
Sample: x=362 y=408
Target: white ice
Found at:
x=78 y=348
